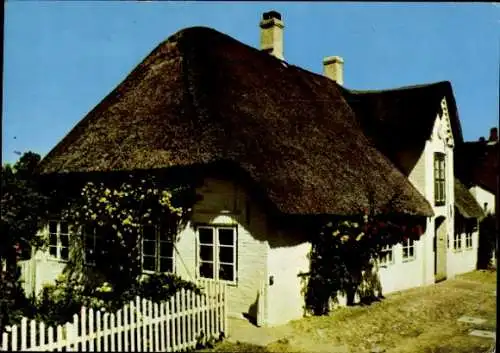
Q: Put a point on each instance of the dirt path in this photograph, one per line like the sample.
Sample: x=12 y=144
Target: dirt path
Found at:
x=419 y=320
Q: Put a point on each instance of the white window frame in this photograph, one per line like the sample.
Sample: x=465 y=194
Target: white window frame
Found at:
x=457 y=242
x=157 y=256
x=94 y=245
x=468 y=237
x=408 y=245
x=58 y=246
x=386 y=257
x=215 y=255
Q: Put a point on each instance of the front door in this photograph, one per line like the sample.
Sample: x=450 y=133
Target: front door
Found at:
x=440 y=249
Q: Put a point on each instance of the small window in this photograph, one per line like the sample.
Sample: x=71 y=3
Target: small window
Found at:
x=59 y=240
x=157 y=250
x=468 y=240
x=92 y=243
x=386 y=256
x=408 y=249
x=439 y=179
x=457 y=241
x=217 y=253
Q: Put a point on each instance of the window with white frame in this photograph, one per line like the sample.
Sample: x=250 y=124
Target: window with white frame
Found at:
x=91 y=244
x=439 y=179
x=408 y=249
x=59 y=239
x=386 y=256
x=217 y=252
x=157 y=250
x=457 y=241
x=468 y=240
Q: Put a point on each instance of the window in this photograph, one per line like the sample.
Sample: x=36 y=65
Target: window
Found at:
x=408 y=249
x=59 y=239
x=439 y=179
x=468 y=240
x=157 y=250
x=386 y=257
x=91 y=243
x=457 y=241
x=217 y=253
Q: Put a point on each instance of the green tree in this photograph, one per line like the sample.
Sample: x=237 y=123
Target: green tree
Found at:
x=23 y=212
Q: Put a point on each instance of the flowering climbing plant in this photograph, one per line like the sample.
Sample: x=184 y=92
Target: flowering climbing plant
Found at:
x=345 y=253
x=115 y=214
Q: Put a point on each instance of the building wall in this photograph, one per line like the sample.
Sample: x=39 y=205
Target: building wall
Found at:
x=483 y=196
x=463 y=260
x=224 y=203
x=286 y=260
x=258 y=247
x=420 y=170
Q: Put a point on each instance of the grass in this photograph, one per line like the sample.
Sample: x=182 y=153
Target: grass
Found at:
x=419 y=320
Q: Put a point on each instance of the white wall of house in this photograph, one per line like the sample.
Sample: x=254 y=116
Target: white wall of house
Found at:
x=225 y=204
x=464 y=259
x=285 y=294
x=420 y=168
x=483 y=197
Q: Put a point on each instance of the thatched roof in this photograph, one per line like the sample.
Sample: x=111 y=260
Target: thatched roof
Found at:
x=465 y=203
x=202 y=97
x=402 y=119
x=476 y=163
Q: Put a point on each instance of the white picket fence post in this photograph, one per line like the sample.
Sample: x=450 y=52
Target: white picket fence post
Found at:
x=140 y=325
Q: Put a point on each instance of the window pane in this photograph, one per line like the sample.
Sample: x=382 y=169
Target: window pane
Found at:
x=52 y=227
x=206 y=253
x=226 y=254
x=53 y=250
x=53 y=239
x=226 y=272
x=207 y=270
x=226 y=236
x=148 y=263
x=412 y=251
x=166 y=248
x=148 y=248
x=89 y=256
x=64 y=253
x=166 y=264
x=148 y=233
x=64 y=239
x=206 y=235
x=63 y=227
x=405 y=252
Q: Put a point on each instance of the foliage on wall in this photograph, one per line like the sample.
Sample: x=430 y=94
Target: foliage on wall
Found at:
x=345 y=253
x=487 y=241
x=117 y=211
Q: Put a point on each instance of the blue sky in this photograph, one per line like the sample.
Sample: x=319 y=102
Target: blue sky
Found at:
x=62 y=58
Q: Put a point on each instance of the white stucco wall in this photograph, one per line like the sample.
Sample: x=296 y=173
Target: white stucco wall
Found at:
x=285 y=263
x=226 y=203
x=420 y=170
x=483 y=196
x=463 y=260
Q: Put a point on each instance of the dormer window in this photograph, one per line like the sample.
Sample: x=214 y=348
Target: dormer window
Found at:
x=439 y=179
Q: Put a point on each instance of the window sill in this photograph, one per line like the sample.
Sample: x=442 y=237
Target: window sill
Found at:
x=469 y=249
x=409 y=259
x=229 y=283
x=55 y=259
x=457 y=250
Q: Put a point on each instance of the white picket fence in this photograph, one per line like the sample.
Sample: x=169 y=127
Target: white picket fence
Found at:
x=141 y=325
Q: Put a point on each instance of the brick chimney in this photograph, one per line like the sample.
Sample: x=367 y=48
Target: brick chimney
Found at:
x=493 y=135
x=271 y=34
x=333 y=68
